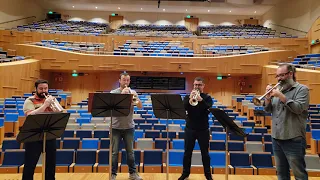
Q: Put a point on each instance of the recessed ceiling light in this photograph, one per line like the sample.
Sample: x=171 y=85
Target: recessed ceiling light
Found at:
x=72 y=6
x=118 y=7
x=163 y=9
x=186 y=9
x=230 y=11
x=255 y=11
x=208 y=10
x=96 y=7
x=141 y=9
x=229 y=74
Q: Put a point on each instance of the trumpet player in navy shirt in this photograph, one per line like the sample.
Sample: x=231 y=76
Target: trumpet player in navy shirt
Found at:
x=197 y=127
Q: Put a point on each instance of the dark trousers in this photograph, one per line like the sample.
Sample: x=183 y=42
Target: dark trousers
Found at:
x=32 y=154
x=190 y=138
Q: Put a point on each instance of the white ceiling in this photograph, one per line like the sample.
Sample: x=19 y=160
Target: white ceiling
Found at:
x=237 y=7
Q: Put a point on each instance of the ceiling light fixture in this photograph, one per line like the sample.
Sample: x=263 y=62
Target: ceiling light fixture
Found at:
x=255 y=11
x=96 y=7
x=230 y=11
x=141 y=9
x=72 y=6
x=118 y=7
x=163 y=9
x=208 y=10
x=186 y=9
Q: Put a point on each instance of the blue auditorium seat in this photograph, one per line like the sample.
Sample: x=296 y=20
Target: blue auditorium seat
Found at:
x=104 y=143
x=84 y=158
x=267 y=138
x=172 y=135
x=152 y=134
x=138 y=134
x=103 y=160
x=263 y=163
x=145 y=126
x=12 y=160
x=11 y=117
x=240 y=160
x=218 y=136
x=235 y=146
x=100 y=134
x=160 y=143
x=181 y=135
x=254 y=137
x=177 y=144
x=262 y=130
x=152 y=159
x=217 y=128
x=10 y=144
x=159 y=127
x=235 y=137
x=83 y=134
x=64 y=158
x=68 y=134
x=90 y=143
x=217 y=145
x=218 y=161
x=71 y=143
x=176 y=158
x=268 y=147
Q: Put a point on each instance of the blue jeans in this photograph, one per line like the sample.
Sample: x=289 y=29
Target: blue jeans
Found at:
x=290 y=153
x=128 y=137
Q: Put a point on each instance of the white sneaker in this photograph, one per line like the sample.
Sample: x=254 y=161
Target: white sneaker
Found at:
x=135 y=176
x=113 y=177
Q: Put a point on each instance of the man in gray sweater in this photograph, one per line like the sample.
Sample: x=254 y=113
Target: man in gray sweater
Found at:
x=289 y=108
x=123 y=128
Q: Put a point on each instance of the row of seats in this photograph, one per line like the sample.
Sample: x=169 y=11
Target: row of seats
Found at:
x=153 y=161
x=4 y=57
x=57 y=26
x=153 y=30
x=72 y=46
x=233 y=49
x=307 y=60
x=245 y=31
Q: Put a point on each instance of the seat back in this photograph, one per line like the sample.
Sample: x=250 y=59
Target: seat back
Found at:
x=13 y=157
x=86 y=156
x=261 y=160
x=64 y=156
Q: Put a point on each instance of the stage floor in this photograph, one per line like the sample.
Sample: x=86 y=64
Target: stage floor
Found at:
x=145 y=176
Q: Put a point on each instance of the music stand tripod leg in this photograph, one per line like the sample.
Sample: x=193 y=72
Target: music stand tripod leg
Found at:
x=168 y=144
x=110 y=148
x=44 y=156
x=226 y=170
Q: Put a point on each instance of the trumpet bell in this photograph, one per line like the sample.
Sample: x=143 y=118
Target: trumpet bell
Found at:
x=256 y=101
x=194 y=102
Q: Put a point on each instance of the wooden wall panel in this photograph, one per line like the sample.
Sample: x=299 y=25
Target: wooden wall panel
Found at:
x=18 y=77
x=52 y=59
x=81 y=86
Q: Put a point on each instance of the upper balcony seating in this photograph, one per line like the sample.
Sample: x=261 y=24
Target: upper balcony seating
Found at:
x=154 y=30
x=65 y=27
x=307 y=61
x=245 y=31
x=223 y=50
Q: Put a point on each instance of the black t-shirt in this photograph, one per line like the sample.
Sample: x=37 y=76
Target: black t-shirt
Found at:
x=197 y=118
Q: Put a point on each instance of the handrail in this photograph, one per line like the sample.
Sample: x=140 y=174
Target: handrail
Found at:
x=18 y=19
x=289 y=28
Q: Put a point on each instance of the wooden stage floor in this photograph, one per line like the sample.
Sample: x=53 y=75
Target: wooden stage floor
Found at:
x=145 y=176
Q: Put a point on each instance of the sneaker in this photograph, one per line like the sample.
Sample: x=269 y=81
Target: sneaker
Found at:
x=113 y=177
x=183 y=177
x=135 y=176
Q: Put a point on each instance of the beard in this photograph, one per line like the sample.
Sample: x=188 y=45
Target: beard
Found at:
x=40 y=95
x=287 y=83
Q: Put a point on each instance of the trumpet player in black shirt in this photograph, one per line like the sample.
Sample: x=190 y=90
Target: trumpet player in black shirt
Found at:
x=197 y=127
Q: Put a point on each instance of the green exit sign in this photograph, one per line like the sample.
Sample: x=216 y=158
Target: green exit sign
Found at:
x=74 y=74
x=188 y=16
x=113 y=14
x=219 y=77
x=50 y=12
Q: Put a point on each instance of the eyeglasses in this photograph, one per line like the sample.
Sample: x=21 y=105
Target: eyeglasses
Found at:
x=198 y=84
x=282 y=75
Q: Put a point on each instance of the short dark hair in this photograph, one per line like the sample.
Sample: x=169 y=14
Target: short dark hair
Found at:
x=199 y=79
x=40 y=81
x=123 y=74
x=290 y=68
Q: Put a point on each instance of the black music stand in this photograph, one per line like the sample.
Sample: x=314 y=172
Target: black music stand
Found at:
x=111 y=105
x=228 y=125
x=169 y=106
x=259 y=112
x=43 y=127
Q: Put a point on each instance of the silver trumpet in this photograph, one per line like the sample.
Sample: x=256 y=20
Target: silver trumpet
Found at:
x=135 y=100
x=257 y=101
x=194 y=100
x=55 y=106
